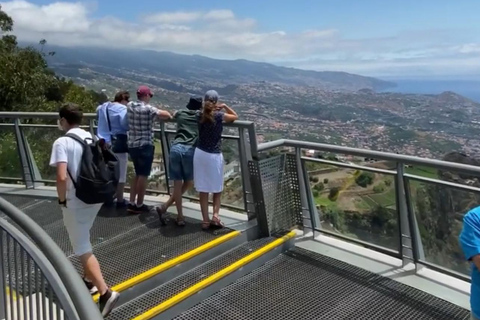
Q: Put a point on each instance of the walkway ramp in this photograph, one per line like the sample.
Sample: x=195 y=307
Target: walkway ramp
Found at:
x=301 y=284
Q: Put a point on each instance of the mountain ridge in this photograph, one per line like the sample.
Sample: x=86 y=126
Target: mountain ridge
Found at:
x=218 y=72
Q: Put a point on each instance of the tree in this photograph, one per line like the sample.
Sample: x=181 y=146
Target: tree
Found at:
x=27 y=84
x=333 y=195
x=319 y=187
x=365 y=179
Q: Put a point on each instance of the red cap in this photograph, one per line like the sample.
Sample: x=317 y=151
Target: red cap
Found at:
x=144 y=91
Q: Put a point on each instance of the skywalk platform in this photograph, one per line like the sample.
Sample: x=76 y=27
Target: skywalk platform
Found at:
x=167 y=272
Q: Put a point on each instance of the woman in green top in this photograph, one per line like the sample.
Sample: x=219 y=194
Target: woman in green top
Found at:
x=181 y=158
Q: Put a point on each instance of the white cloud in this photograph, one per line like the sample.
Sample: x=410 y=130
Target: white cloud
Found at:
x=221 y=34
x=172 y=17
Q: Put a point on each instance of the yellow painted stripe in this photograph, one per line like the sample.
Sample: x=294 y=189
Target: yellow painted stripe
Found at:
x=213 y=278
x=171 y=263
x=12 y=293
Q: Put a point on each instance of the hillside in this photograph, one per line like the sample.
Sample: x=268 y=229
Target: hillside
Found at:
x=170 y=68
x=284 y=102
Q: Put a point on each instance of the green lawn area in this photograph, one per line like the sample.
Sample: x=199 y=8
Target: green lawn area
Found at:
x=425 y=172
x=323 y=200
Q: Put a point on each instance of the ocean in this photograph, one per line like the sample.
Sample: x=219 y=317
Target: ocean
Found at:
x=466 y=88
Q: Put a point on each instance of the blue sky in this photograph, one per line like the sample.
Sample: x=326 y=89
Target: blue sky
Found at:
x=396 y=38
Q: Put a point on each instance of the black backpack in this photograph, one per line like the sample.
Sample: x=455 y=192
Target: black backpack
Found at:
x=98 y=173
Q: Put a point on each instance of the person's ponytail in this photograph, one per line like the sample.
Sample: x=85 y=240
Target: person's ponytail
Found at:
x=207 y=113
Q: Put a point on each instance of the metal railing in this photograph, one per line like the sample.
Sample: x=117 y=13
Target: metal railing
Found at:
x=37 y=281
x=410 y=247
x=408 y=224
x=245 y=140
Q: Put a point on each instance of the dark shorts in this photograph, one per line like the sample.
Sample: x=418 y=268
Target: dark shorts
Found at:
x=181 y=162
x=142 y=158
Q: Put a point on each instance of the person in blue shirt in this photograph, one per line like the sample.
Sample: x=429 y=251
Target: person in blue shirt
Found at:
x=470 y=243
x=113 y=127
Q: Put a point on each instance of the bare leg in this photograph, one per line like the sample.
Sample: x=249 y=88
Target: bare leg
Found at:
x=120 y=188
x=204 y=207
x=133 y=189
x=177 y=194
x=92 y=272
x=141 y=189
x=216 y=203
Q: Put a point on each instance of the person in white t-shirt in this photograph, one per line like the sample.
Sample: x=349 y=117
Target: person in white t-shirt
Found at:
x=78 y=216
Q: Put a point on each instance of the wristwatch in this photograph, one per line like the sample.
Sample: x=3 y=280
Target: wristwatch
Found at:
x=62 y=203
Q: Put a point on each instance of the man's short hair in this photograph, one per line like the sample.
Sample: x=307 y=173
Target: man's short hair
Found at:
x=72 y=113
x=122 y=96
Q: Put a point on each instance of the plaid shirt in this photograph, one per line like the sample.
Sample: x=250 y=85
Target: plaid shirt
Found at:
x=140 y=122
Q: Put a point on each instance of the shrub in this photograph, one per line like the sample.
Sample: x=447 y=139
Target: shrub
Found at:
x=319 y=186
x=379 y=188
x=365 y=179
x=333 y=195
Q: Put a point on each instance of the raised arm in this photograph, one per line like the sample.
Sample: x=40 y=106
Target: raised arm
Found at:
x=164 y=115
x=230 y=114
x=161 y=114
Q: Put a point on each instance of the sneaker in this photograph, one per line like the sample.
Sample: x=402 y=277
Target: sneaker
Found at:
x=136 y=209
x=93 y=290
x=107 y=302
x=131 y=208
x=122 y=204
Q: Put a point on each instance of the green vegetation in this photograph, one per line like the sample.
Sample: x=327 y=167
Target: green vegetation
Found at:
x=425 y=172
x=365 y=179
x=27 y=84
x=379 y=188
x=333 y=195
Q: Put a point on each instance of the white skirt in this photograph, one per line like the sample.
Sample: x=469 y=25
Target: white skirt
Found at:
x=208 y=171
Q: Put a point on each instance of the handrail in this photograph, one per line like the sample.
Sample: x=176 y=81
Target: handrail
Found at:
x=380 y=155
x=76 y=289
x=45 y=266
x=249 y=125
x=88 y=116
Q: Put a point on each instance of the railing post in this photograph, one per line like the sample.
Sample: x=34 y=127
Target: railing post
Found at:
x=303 y=189
x=417 y=245
x=406 y=249
x=91 y=124
x=252 y=136
x=3 y=284
x=165 y=154
x=245 y=156
x=27 y=171
x=314 y=216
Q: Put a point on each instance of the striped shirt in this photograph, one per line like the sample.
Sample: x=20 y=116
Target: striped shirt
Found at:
x=140 y=123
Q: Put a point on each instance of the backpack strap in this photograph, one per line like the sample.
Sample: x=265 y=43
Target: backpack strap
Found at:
x=83 y=143
x=108 y=119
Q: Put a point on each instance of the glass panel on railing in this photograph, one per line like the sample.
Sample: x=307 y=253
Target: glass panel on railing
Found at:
x=233 y=183
x=439 y=211
x=40 y=141
x=355 y=203
x=10 y=165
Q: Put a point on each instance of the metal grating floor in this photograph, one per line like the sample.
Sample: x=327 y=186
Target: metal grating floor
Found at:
x=125 y=245
x=175 y=286
x=301 y=284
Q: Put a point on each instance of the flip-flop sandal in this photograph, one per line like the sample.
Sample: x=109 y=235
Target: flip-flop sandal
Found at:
x=180 y=222
x=216 y=222
x=161 y=214
x=205 y=225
